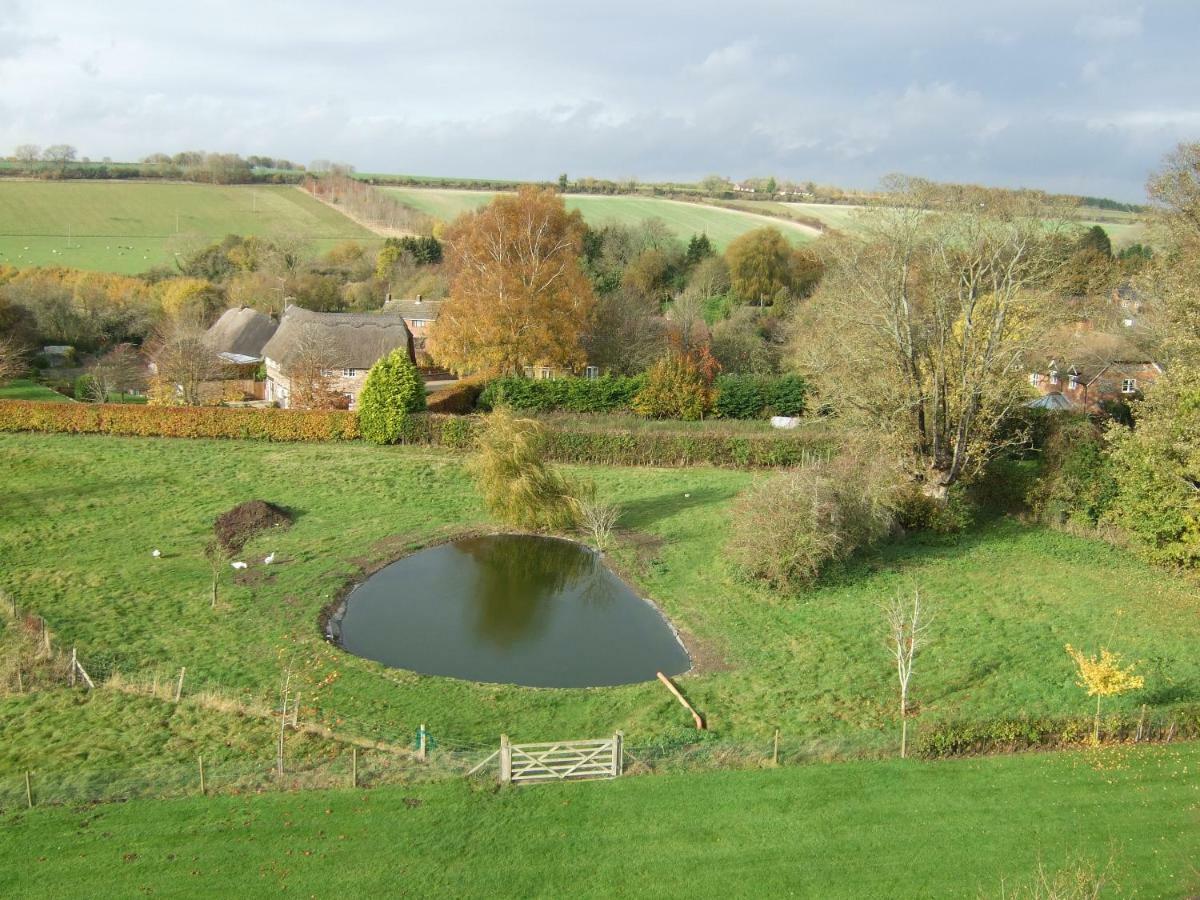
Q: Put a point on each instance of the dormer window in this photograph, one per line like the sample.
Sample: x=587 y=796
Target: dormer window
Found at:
x=1073 y=382
x=1129 y=386
x=1054 y=377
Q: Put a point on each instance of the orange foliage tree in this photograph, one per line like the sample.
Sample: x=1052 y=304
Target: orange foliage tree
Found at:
x=518 y=295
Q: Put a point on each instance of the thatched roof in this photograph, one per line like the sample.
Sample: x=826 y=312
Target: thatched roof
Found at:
x=241 y=333
x=414 y=309
x=345 y=340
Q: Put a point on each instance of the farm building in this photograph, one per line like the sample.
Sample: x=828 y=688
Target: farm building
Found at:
x=339 y=347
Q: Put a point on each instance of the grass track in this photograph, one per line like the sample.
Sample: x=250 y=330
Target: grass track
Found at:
x=868 y=829
x=684 y=219
x=128 y=227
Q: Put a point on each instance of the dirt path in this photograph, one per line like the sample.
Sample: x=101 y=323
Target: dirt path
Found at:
x=373 y=227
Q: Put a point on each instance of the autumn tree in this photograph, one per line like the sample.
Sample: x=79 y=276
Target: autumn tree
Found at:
x=1174 y=274
x=922 y=328
x=518 y=296
x=310 y=374
x=759 y=265
x=1103 y=676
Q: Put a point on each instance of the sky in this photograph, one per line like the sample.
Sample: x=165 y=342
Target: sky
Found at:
x=1078 y=97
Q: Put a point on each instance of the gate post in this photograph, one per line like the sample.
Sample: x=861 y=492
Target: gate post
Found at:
x=505 y=760
x=618 y=763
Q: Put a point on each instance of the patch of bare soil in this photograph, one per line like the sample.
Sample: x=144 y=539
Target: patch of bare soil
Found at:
x=246 y=520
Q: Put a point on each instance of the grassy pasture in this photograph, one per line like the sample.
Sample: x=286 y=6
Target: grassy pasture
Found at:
x=969 y=828
x=128 y=227
x=25 y=389
x=684 y=219
x=81 y=515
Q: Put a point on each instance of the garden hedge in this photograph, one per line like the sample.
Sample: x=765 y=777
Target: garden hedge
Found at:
x=608 y=393
x=609 y=447
x=970 y=738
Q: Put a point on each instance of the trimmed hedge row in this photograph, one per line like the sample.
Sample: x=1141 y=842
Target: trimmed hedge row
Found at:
x=737 y=396
x=458 y=398
x=584 y=395
x=179 y=421
x=618 y=448
x=624 y=448
x=952 y=739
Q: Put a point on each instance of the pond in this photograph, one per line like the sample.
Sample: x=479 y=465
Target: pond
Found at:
x=512 y=609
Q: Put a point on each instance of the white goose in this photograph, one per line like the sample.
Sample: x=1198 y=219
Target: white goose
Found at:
x=239 y=565
x=270 y=559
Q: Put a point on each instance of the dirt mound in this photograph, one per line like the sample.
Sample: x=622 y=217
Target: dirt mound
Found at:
x=244 y=521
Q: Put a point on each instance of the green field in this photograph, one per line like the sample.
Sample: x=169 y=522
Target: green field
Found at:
x=128 y=227
x=684 y=219
x=82 y=514
x=24 y=389
x=971 y=828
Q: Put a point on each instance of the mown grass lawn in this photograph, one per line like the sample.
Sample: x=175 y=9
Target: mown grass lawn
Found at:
x=966 y=828
x=27 y=389
x=128 y=227
x=80 y=516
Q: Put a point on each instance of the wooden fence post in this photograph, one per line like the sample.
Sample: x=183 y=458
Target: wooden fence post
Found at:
x=505 y=760
x=422 y=744
x=28 y=791
x=353 y=767
x=775 y=750
x=618 y=763
x=1141 y=721
x=201 y=758
x=179 y=686
x=71 y=679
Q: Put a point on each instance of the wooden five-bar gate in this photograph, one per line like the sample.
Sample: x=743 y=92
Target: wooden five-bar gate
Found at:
x=561 y=760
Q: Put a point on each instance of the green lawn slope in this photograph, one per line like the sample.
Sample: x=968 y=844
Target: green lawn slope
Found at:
x=127 y=227
x=971 y=828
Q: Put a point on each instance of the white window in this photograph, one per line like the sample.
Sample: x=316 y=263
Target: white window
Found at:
x=528 y=370
x=419 y=323
x=1074 y=382
x=349 y=373
x=1129 y=386
x=1054 y=378
x=545 y=373
x=1035 y=378
x=591 y=372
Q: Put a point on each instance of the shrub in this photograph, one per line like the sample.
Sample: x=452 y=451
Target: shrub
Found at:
x=675 y=389
x=789 y=527
x=83 y=388
x=1156 y=467
x=917 y=511
x=583 y=395
x=740 y=397
x=393 y=389
x=786 y=395
x=518 y=487
x=1077 y=483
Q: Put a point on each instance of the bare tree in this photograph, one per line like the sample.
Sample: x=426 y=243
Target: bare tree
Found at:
x=597 y=519
x=117 y=371
x=907 y=631
x=184 y=361
x=12 y=359
x=923 y=327
x=311 y=375
x=27 y=153
x=218 y=558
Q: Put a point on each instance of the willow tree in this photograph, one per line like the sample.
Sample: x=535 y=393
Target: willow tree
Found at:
x=924 y=326
x=518 y=296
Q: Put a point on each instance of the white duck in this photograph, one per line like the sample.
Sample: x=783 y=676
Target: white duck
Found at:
x=270 y=559
x=239 y=565
x=156 y=553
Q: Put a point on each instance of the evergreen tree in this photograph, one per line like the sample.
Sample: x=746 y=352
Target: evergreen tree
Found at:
x=393 y=389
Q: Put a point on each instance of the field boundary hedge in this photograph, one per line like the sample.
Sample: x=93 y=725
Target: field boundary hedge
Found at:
x=562 y=444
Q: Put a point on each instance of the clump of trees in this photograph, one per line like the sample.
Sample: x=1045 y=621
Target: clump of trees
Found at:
x=393 y=390
x=678 y=386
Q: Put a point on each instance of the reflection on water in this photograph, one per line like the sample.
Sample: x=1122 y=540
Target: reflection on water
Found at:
x=510 y=608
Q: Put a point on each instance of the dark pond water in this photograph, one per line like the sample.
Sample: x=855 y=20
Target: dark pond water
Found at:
x=513 y=609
